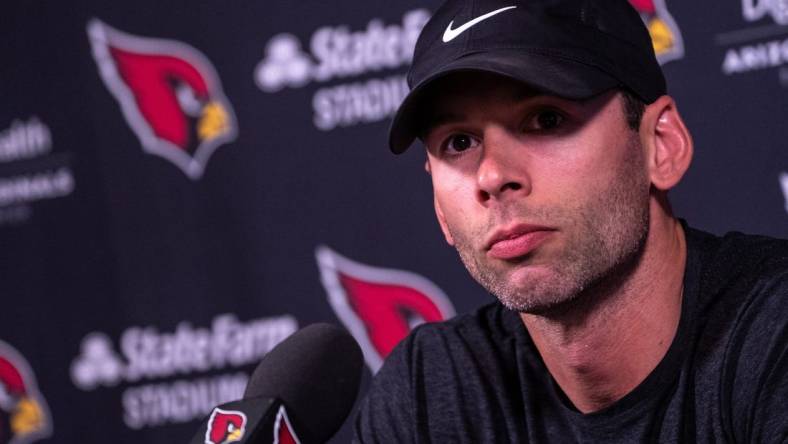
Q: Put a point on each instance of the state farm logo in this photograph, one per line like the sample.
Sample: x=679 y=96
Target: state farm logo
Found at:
x=379 y=306
x=24 y=414
x=188 y=353
x=336 y=52
x=665 y=34
x=285 y=64
x=758 y=46
x=169 y=93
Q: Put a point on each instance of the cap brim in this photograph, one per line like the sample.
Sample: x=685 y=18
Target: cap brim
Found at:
x=549 y=74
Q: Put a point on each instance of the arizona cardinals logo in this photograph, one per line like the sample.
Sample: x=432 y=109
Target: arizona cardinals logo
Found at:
x=24 y=415
x=225 y=426
x=169 y=94
x=283 y=430
x=379 y=306
x=665 y=35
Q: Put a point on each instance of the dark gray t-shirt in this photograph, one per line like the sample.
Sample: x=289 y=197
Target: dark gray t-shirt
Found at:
x=479 y=379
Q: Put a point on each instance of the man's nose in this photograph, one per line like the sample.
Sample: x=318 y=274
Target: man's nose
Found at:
x=501 y=173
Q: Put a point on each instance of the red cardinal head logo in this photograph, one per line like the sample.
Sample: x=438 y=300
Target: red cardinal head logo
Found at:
x=225 y=426
x=24 y=415
x=169 y=93
x=283 y=430
x=665 y=35
x=379 y=306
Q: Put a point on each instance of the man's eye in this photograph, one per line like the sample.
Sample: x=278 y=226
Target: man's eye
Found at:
x=460 y=142
x=546 y=120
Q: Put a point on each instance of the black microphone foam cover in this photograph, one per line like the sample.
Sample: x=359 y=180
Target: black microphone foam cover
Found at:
x=316 y=373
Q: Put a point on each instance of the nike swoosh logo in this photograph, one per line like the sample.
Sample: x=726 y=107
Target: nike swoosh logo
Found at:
x=450 y=34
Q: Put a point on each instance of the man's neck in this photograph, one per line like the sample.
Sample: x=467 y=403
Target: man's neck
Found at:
x=614 y=339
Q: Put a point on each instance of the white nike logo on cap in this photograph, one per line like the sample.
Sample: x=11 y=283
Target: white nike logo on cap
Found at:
x=450 y=34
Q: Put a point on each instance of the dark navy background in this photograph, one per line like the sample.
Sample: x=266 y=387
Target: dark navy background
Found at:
x=138 y=243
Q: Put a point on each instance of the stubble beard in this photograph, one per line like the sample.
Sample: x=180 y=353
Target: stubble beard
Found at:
x=606 y=237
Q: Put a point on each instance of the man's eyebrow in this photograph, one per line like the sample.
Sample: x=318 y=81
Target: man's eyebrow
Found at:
x=520 y=98
x=523 y=94
x=436 y=120
x=444 y=118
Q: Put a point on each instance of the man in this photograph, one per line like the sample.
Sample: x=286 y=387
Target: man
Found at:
x=551 y=144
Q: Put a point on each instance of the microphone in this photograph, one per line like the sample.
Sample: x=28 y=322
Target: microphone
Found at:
x=300 y=393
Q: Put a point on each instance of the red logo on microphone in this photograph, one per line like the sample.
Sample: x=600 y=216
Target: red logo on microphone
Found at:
x=169 y=93
x=379 y=306
x=225 y=426
x=283 y=430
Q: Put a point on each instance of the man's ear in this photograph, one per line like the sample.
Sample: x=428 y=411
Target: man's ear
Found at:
x=438 y=210
x=669 y=143
x=442 y=222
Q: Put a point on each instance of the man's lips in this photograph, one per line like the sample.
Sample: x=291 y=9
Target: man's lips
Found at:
x=516 y=242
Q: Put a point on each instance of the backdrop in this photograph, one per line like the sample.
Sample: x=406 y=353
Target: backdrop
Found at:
x=183 y=184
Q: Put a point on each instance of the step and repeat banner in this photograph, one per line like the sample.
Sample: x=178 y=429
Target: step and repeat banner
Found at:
x=184 y=184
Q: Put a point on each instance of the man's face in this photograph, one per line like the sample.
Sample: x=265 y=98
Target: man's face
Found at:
x=542 y=197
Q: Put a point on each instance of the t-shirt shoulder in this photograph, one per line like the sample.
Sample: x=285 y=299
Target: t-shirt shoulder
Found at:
x=743 y=312
x=738 y=252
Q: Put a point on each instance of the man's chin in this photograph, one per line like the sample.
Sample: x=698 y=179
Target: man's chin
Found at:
x=537 y=303
x=535 y=290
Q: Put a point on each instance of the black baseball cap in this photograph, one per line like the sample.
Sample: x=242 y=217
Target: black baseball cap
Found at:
x=573 y=49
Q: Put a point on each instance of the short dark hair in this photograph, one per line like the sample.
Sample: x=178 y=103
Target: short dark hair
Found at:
x=633 y=109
